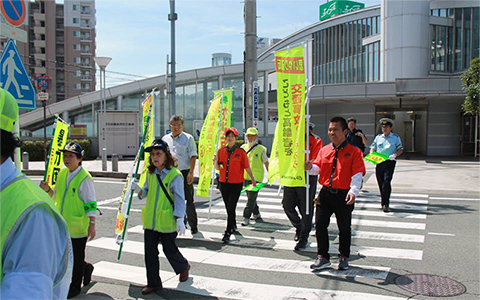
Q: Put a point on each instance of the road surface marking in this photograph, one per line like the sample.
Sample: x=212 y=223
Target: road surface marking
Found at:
x=280 y=244
x=222 y=288
x=248 y=262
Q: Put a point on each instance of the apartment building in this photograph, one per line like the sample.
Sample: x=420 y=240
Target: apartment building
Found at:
x=61 y=45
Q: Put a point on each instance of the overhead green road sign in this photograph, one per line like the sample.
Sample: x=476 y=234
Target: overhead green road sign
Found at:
x=338 y=7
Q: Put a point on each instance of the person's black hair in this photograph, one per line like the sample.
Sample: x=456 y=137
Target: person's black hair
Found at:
x=9 y=142
x=340 y=120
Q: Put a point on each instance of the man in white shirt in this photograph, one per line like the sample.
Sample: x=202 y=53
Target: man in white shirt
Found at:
x=183 y=148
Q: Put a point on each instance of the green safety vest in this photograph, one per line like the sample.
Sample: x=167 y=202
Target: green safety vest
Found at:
x=255 y=161
x=71 y=207
x=18 y=198
x=158 y=212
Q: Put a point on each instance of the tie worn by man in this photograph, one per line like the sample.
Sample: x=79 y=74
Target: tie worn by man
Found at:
x=183 y=148
x=340 y=167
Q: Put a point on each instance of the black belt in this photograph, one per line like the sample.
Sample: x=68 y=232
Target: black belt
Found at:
x=334 y=190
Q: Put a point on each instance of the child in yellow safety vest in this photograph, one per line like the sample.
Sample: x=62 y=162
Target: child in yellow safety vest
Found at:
x=163 y=214
x=74 y=196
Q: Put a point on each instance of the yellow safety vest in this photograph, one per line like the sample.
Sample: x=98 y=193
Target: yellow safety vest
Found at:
x=18 y=198
x=255 y=160
x=158 y=212
x=68 y=202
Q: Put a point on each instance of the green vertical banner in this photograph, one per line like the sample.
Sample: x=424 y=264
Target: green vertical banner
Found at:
x=290 y=136
x=208 y=138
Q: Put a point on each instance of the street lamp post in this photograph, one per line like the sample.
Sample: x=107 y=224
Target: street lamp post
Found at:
x=102 y=63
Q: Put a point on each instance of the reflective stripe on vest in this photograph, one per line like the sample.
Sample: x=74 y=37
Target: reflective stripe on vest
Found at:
x=17 y=199
x=69 y=203
x=158 y=212
x=255 y=161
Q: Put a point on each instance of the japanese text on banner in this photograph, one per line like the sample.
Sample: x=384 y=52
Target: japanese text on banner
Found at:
x=149 y=137
x=56 y=156
x=208 y=138
x=289 y=65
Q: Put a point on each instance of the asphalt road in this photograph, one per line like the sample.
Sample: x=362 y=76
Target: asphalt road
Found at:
x=435 y=234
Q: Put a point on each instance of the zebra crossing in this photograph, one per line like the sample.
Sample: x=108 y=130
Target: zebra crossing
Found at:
x=266 y=248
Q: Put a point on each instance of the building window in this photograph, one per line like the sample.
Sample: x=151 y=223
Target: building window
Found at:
x=77 y=60
x=77 y=86
x=75 y=20
x=467 y=31
x=76 y=34
x=476 y=32
x=76 y=47
x=78 y=73
x=75 y=7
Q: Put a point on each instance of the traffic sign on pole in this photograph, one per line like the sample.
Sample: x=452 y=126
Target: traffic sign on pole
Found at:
x=14 y=11
x=14 y=78
x=42 y=83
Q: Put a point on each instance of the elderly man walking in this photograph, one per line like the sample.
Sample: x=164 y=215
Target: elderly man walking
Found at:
x=183 y=148
x=257 y=157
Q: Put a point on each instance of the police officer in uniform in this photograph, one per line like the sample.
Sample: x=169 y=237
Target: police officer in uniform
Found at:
x=36 y=258
x=389 y=144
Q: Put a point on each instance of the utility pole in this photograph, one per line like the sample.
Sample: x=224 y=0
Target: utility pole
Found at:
x=250 y=60
x=172 y=17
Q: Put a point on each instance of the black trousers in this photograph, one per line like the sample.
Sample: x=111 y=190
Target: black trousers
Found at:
x=191 y=212
x=251 y=207
x=328 y=204
x=294 y=197
x=79 y=263
x=170 y=249
x=230 y=194
x=384 y=173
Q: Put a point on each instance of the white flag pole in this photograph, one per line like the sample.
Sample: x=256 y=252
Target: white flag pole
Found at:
x=307 y=129
x=216 y=150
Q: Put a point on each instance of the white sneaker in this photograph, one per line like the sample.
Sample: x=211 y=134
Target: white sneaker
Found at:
x=245 y=222
x=256 y=217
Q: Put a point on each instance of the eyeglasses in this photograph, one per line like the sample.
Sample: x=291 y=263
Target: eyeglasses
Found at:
x=176 y=126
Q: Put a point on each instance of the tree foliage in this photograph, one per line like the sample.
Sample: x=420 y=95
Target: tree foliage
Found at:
x=471 y=86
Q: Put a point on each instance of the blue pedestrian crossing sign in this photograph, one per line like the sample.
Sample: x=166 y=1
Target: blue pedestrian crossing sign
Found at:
x=14 y=78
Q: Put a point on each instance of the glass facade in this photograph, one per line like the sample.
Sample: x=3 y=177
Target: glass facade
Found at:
x=454 y=47
x=340 y=57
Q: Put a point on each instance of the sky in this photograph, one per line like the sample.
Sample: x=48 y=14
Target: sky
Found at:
x=136 y=33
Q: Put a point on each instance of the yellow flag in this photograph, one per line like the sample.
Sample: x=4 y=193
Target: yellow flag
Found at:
x=273 y=166
x=208 y=138
x=56 y=157
x=290 y=133
x=149 y=137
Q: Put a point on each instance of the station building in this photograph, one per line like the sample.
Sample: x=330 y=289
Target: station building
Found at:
x=400 y=59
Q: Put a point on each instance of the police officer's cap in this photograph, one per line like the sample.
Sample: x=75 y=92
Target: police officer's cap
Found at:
x=386 y=122
x=311 y=125
x=351 y=120
x=8 y=111
x=74 y=148
x=158 y=144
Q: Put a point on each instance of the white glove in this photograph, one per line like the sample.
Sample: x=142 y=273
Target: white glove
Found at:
x=135 y=186
x=181 y=226
x=392 y=157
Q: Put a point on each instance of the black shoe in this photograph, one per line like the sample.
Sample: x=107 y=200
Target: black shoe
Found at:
x=195 y=230
x=320 y=263
x=302 y=244
x=386 y=209
x=87 y=274
x=226 y=238
x=343 y=263
x=73 y=293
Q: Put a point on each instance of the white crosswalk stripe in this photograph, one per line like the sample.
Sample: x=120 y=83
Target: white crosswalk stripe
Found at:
x=213 y=287
x=398 y=236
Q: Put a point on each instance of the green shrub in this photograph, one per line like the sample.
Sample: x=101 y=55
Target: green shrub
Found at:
x=35 y=148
